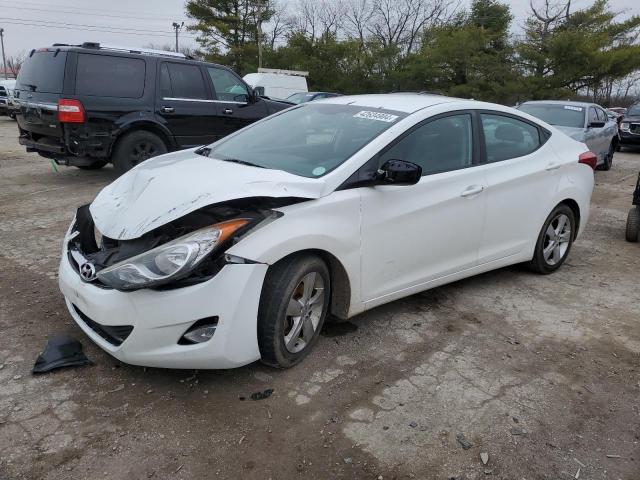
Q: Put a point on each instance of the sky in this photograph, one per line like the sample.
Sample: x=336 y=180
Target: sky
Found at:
x=136 y=23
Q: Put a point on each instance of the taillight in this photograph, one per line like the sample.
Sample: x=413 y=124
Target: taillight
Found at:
x=70 y=111
x=588 y=158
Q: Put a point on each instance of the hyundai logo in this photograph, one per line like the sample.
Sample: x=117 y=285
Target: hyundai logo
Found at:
x=88 y=272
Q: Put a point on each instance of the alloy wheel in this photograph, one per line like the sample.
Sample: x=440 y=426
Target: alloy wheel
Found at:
x=556 y=239
x=143 y=151
x=304 y=312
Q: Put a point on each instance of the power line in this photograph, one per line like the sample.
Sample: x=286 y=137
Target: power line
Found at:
x=63 y=27
x=67 y=24
x=11 y=5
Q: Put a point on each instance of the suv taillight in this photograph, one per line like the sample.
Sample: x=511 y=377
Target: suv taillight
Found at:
x=588 y=158
x=70 y=111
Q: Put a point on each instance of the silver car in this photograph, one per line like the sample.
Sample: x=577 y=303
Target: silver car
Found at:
x=585 y=122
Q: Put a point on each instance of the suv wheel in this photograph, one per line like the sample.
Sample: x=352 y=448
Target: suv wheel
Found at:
x=293 y=305
x=135 y=148
x=555 y=241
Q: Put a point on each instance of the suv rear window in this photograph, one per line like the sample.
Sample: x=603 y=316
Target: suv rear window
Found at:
x=110 y=76
x=43 y=72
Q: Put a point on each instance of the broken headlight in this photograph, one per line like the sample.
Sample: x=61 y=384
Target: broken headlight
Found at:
x=169 y=261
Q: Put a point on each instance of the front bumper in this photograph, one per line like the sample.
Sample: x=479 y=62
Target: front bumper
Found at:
x=628 y=138
x=160 y=318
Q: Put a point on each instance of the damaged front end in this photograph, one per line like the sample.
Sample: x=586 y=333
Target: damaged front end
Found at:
x=183 y=252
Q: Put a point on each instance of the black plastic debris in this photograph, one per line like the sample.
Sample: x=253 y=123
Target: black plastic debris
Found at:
x=464 y=443
x=262 y=395
x=60 y=351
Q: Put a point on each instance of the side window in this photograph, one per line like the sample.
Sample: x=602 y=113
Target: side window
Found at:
x=602 y=115
x=227 y=86
x=506 y=137
x=593 y=115
x=186 y=81
x=165 y=82
x=109 y=76
x=438 y=146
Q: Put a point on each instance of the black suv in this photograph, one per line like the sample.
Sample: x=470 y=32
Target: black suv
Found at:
x=629 y=131
x=86 y=105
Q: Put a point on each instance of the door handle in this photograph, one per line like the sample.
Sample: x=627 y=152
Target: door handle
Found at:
x=227 y=111
x=167 y=109
x=472 y=190
x=553 y=166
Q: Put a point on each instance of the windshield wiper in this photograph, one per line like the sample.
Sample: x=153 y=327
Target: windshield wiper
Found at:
x=241 y=162
x=31 y=86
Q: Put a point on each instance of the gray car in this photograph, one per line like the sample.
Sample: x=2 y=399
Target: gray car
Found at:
x=585 y=122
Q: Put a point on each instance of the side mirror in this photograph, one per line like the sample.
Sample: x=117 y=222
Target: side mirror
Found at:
x=596 y=124
x=242 y=97
x=398 y=172
x=259 y=91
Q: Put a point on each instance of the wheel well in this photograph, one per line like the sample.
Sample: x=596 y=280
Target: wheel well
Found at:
x=573 y=205
x=149 y=127
x=340 y=284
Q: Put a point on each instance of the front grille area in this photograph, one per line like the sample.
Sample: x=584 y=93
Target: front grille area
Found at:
x=634 y=128
x=114 y=334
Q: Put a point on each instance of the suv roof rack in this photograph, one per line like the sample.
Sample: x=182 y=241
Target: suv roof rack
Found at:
x=143 y=51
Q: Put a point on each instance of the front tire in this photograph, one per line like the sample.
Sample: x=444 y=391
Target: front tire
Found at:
x=555 y=240
x=608 y=159
x=293 y=306
x=633 y=225
x=136 y=147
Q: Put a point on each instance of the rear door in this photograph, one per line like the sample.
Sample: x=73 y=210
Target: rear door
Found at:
x=522 y=172
x=38 y=88
x=237 y=108
x=185 y=104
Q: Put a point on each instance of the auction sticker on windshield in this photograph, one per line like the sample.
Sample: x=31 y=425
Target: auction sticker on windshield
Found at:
x=381 y=117
x=571 y=107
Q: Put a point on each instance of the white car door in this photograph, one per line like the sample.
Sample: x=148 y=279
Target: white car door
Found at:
x=523 y=173
x=414 y=234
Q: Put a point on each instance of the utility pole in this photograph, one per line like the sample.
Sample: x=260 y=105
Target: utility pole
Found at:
x=177 y=27
x=4 y=61
x=259 y=33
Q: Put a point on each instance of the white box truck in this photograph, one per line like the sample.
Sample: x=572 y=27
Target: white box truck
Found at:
x=277 y=84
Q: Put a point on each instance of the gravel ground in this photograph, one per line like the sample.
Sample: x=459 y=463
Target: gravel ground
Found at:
x=539 y=372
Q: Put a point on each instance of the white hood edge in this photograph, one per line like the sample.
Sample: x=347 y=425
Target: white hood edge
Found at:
x=168 y=187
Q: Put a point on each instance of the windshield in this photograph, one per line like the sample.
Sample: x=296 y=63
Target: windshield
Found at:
x=634 y=111
x=43 y=72
x=300 y=97
x=555 y=114
x=309 y=140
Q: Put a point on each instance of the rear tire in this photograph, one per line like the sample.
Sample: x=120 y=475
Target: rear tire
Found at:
x=554 y=241
x=136 y=147
x=94 y=166
x=633 y=225
x=293 y=306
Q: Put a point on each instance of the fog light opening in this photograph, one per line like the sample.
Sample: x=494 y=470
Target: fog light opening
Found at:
x=200 y=332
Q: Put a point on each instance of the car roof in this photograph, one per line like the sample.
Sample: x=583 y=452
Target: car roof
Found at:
x=401 y=102
x=562 y=102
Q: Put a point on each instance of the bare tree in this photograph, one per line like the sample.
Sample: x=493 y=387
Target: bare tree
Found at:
x=279 y=25
x=400 y=22
x=316 y=18
x=14 y=63
x=357 y=15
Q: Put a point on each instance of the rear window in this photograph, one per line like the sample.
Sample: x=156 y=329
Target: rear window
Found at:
x=110 y=76
x=556 y=114
x=43 y=72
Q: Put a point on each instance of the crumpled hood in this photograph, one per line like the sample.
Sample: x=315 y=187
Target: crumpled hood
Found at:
x=575 y=133
x=168 y=187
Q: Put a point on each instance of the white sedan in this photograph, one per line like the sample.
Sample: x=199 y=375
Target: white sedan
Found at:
x=219 y=256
